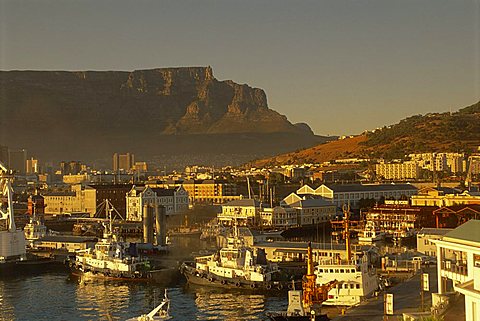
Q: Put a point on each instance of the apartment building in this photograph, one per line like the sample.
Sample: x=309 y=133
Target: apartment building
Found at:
x=398 y=171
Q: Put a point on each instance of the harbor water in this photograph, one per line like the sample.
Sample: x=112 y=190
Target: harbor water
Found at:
x=54 y=295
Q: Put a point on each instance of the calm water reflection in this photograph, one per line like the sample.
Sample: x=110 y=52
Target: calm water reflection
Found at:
x=55 y=296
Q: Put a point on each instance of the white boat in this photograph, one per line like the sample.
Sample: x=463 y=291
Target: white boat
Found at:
x=12 y=240
x=356 y=279
x=371 y=233
x=160 y=312
x=305 y=304
x=235 y=265
x=110 y=258
x=34 y=230
x=355 y=276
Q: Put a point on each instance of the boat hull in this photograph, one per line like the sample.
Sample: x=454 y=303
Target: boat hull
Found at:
x=28 y=266
x=165 y=276
x=193 y=277
x=284 y=317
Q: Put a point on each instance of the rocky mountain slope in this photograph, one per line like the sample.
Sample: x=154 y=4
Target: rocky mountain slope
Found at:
x=177 y=110
x=433 y=132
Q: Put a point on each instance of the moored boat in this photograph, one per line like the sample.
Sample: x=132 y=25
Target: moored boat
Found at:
x=12 y=240
x=305 y=304
x=160 y=312
x=235 y=266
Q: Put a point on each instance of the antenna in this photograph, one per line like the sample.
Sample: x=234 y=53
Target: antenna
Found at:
x=346 y=212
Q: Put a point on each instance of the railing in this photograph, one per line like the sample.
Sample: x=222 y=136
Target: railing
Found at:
x=454 y=267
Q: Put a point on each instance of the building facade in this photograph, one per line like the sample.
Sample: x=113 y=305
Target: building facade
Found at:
x=398 y=171
x=123 y=162
x=340 y=194
x=174 y=200
x=244 y=212
x=458 y=265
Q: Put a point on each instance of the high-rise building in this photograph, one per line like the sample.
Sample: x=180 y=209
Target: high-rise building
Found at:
x=17 y=160
x=70 y=168
x=32 y=166
x=123 y=162
x=4 y=155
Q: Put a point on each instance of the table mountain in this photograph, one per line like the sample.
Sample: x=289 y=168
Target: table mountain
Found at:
x=176 y=110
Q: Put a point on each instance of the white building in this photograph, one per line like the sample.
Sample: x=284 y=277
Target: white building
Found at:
x=174 y=200
x=458 y=264
x=426 y=238
x=279 y=216
x=340 y=194
x=245 y=211
x=314 y=211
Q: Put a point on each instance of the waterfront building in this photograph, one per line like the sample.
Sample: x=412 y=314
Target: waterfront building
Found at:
x=175 y=200
x=443 y=196
x=204 y=191
x=398 y=171
x=314 y=211
x=340 y=194
x=394 y=217
x=458 y=265
x=244 y=211
x=279 y=217
x=62 y=202
x=426 y=237
x=453 y=216
x=95 y=194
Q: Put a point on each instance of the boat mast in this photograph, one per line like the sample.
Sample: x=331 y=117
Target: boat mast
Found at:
x=346 y=213
x=7 y=190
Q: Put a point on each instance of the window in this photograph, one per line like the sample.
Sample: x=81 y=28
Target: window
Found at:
x=357 y=286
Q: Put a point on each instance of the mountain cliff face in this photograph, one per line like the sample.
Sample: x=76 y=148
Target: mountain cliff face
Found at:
x=57 y=109
x=172 y=100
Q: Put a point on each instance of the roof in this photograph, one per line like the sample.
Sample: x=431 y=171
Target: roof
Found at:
x=468 y=232
x=164 y=191
x=67 y=239
x=311 y=202
x=434 y=231
x=301 y=246
x=244 y=202
x=339 y=188
x=111 y=186
x=60 y=194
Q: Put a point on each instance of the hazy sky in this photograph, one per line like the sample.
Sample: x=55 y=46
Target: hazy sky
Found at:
x=341 y=66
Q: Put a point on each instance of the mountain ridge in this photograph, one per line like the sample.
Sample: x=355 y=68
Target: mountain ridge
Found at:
x=432 y=132
x=88 y=108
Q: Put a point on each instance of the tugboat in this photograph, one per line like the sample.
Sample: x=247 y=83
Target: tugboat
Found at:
x=161 y=312
x=12 y=240
x=235 y=266
x=305 y=304
x=110 y=259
